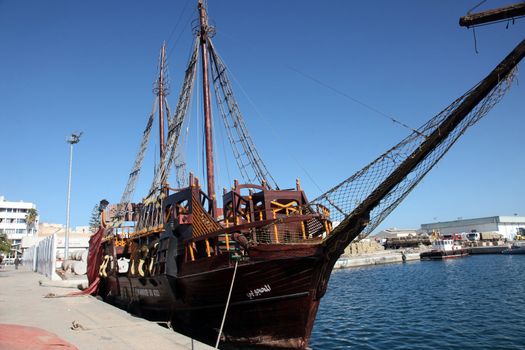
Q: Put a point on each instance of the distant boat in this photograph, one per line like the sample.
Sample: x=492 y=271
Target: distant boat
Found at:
x=516 y=248
x=445 y=249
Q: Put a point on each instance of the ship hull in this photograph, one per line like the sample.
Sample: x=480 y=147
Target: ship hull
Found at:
x=443 y=255
x=273 y=303
x=514 y=250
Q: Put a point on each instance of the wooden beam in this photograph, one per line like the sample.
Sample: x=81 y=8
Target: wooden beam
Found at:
x=502 y=13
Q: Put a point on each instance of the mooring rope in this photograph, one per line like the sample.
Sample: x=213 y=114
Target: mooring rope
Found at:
x=227 y=305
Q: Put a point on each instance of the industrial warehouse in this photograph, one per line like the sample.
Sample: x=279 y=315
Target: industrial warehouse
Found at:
x=507 y=226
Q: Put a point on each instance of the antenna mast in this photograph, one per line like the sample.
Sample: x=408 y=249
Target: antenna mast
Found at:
x=204 y=29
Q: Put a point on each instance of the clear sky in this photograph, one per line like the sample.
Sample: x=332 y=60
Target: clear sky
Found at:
x=89 y=66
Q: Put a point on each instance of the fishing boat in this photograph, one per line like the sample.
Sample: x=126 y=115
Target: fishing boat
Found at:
x=445 y=249
x=250 y=268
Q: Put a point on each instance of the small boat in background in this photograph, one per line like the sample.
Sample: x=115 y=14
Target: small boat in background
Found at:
x=515 y=248
x=445 y=249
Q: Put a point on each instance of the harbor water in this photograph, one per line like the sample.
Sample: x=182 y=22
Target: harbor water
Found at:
x=477 y=302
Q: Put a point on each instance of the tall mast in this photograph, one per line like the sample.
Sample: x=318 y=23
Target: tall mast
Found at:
x=207 y=105
x=161 y=95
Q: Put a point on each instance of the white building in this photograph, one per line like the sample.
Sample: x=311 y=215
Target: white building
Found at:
x=507 y=226
x=396 y=233
x=13 y=221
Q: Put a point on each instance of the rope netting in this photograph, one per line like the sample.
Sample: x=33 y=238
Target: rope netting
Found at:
x=343 y=199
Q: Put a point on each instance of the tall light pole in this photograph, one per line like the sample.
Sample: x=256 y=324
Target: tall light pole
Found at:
x=73 y=139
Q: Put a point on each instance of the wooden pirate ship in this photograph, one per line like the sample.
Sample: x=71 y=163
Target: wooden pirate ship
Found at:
x=252 y=271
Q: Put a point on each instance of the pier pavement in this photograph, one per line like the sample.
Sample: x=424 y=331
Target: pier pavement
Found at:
x=83 y=321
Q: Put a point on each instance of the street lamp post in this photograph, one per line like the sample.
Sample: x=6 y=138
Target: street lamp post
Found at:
x=73 y=139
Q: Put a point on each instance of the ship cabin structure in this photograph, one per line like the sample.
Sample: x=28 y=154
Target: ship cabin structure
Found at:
x=252 y=215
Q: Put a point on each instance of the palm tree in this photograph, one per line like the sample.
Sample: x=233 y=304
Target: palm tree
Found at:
x=5 y=245
x=31 y=217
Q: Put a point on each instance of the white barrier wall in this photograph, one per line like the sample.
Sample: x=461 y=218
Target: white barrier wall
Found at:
x=42 y=257
x=46 y=257
x=29 y=257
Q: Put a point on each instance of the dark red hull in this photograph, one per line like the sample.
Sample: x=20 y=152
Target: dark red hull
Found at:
x=273 y=304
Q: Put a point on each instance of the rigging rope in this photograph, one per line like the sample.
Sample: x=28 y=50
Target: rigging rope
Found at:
x=227 y=305
x=475 y=7
x=274 y=131
x=137 y=166
x=475 y=40
x=178 y=21
x=190 y=17
x=225 y=155
x=339 y=92
x=249 y=162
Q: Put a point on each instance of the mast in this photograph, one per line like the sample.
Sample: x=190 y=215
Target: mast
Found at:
x=210 y=174
x=161 y=95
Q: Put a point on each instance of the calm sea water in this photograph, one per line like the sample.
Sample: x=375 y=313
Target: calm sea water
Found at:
x=476 y=302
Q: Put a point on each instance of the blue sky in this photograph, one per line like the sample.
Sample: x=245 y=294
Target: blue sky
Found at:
x=71 y=66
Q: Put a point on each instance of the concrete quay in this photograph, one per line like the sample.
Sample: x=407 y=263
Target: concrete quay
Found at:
x=375 y=258
x=83 y=321
x=379 y=257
